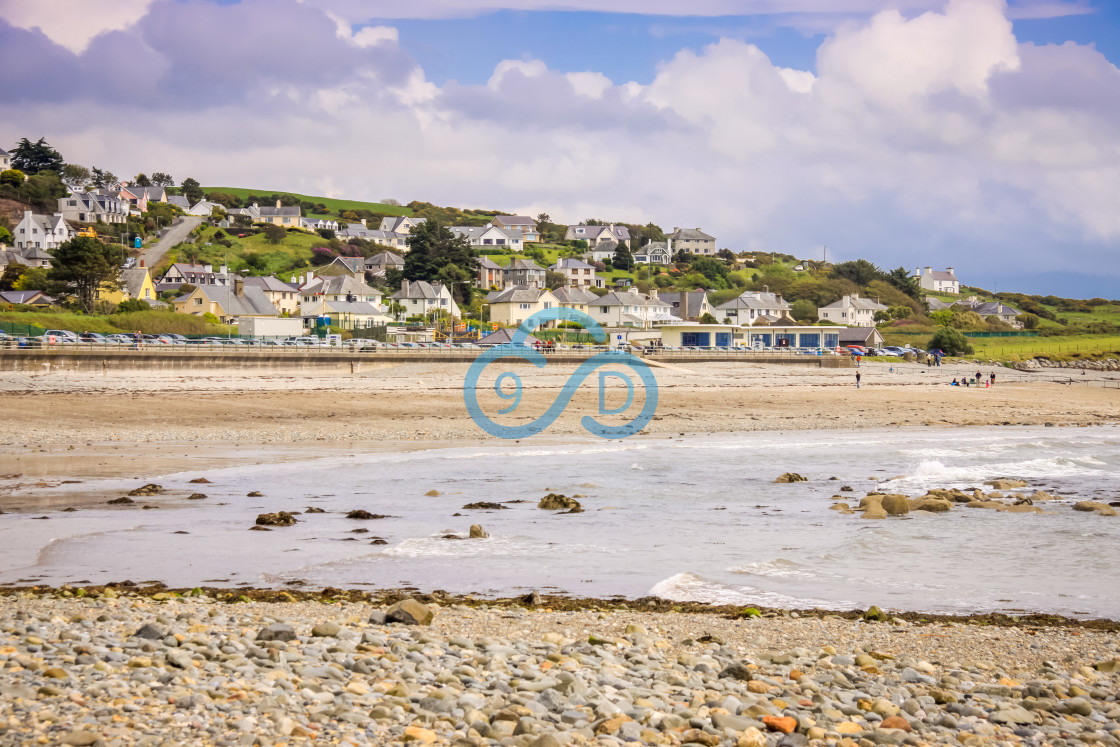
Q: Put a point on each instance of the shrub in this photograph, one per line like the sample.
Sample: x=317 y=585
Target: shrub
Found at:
x=949 y=340
x=133 y=304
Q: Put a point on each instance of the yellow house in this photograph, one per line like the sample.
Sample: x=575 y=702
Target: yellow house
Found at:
x=226 y=302
x=517 y=303
x=135 y=284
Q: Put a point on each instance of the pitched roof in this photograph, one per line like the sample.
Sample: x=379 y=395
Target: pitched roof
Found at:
x=756 y=300
x=502 y=337
x=594 y=232
x=574 y=295
x=516 y=294
x=270 y=284
x=385 y=258
x=284 y=211
x=418 y=289
x=684 y=304
x=252 y=301
x=26 y=296
x=517 y=220
x=525 y=264
x=857 y=334
x=690 y=233
x=365 y=308
x=572 y=263
x=133 y=280
x=182 y=202
x=654 y=247
x=337 y=285
x=486 y=263
x=855 y=302
x=941 y=275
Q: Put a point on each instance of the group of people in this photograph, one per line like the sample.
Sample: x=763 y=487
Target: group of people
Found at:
x=544 y=347
x=978 y=380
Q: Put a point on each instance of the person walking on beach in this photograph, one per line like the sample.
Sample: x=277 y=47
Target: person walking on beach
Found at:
x=992 y=379
x=857 y=379
x=858 y=359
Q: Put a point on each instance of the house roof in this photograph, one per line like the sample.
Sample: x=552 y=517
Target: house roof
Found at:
x=284 y=211
x=574 y=295
x=756 y=300
x=571 y=263
x=472 y=233
x=525 y=264
x=26 y=296
x=419 y=289
x=594 y=232
x=362 y=308
x=270 y=284
x=133 y=280
x=385 y=258
x=936 y=304
x=517 y=294
x=502 y=337
x=685 y=304
x=485 y=263
x=395 y=222
x=993 y=308
x=251 y=302
x=690 y=233
x=942 y=275
x=857 y=335
x=653 y=247
x=182 y=202
x=855 y=302
x=628 y=298
x=516 y=220
x=338 y=285
x=33 y=252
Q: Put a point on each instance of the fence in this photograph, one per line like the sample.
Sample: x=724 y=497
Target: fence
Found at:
x=21 y=330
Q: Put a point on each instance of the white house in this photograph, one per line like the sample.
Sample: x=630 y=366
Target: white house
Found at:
x=693 y=240
x=338 y=288
x=752 y=306
x=595 y=235
x=400 y=223
x=5 y=160
x=90 y=207
x=937 y=280
x=629 y=309
x=851 y=311
x=420 y=298
x=319 y=224
x=491 y=235
x=204 y=208
x=655 y=253
x=523 y=224
x=44 y=232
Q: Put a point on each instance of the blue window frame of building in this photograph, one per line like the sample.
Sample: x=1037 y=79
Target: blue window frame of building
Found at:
x=762 y=340
x=696 y=339
x=789 y=337
x=810 y=340
x=723 y=339
x=831 y=339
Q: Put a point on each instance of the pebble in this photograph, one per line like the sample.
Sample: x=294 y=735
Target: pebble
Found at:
x=126 y=670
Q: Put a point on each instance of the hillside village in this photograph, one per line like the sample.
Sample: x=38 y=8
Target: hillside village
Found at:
x=281 y=265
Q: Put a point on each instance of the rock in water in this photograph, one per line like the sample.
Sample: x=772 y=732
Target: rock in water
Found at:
x=199 y=480
x=1101 y=508
x=875 y=614
x=488 y=505
x=196 y=496
x=477 y=532
x=117 y=501
x=432 y=493
x=895 y=505
x=874 y=511
x=935 y=505
x=314 y=510
x=363 y=514
x=791 y=477
x=149 y=489
x=278 y=519
x=409 y=612
x=255 y=494
x=1006 y=484
x=555 y=502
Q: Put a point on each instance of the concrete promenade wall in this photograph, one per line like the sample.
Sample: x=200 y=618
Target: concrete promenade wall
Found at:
x=343 y=361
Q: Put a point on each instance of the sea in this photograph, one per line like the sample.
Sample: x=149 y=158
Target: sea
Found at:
x=684 y=518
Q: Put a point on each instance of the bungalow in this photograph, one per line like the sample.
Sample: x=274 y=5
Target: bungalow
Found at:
x=655 y=253
x=344 y=314
x=868 y=337
x=938 y=281
x=400 y=223
x=320 y=224
x=26 y=298
x=751 y=306
x=203 y=208
x=596 y=235
x=27 y=257
x=391 y=239
x=284 y=296
x=523 y=272
x=515 y=304
x=490 y=235
x=523 y=224
x=281 y=215
x=687 y=306
x=851 y=311
x=90 y=207
x=490 y=274
x=629 y=309
x=225 y=302
x=693 y=241
x=41 y=232
x=577 y=273
x=338 y=288
x=135 y=284
x=181 y=202
x=984 y=308
x=420 y=298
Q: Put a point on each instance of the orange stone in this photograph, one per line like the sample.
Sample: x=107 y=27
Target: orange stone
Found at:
x=755 y=686
x=795 y=674
x=895 y=722
x=784 y=724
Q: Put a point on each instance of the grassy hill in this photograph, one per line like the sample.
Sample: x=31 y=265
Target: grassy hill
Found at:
x=335 y=206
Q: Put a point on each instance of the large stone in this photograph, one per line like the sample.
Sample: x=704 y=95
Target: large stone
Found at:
x=1101 y=508
x=1013 y=715
x=790 y=477
x=934 y=505
x=409 y=612
x=278 y=519
x=895 y=722
x=895 y=505
x=484 y=505
x=361 y=513
x=477 y=532
x=783 y=724
x=146 y=490
x=1006 y=484
x=555 y=502
x=874 y=511
x=80 y=739
x=1109 y=667
x=150 y=632
x=277 y=632
x=326 y=629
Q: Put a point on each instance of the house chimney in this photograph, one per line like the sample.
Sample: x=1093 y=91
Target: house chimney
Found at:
x=277 y=203
x=208 y=268
x=142 y=263
x=26 y=213
x=225 y=270
x=238 y=286
x=950 y=269
x=917 y=272
x=929 y=270
x=363 y=223
x=675 y=229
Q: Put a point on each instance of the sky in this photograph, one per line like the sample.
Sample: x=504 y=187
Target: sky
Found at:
x=978 y=134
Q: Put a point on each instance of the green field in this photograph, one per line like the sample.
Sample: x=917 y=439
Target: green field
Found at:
x=1060 y=348
x=148 y=322
x=336 y=206
x=291 y=255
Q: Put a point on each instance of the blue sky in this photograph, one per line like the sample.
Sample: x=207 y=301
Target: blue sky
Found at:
x=978 y=134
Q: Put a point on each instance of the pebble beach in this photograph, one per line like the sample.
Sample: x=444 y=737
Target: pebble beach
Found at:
x=117 y=668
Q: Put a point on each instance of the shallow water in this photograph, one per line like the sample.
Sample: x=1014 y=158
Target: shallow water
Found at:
x=696 y=518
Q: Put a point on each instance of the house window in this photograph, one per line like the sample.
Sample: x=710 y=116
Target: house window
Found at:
x=603 y=309
x=525 y=306
x=198 y=302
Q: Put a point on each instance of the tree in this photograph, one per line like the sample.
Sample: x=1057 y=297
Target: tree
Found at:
x=707 y=318
x=31 y=158
x=431 y=248
x=1029 y=321
x=543 y=219
x=942 y=317
x=103 y=178
x=192 y=190
x=554 y=280
x=11 y=275
x=900 y=278
x=322 y=255
x=622 y=257
x=900 y=312
x=274 y=233
x=84 y=265
x=951 y=341
x=142 y=180
x=859 y=271
x=256 y=262
x=161 y=179
x=12 y=178
x=32 y=278
x=326 y=233
x=72 y=173
x=803 y=310
x=712 y=269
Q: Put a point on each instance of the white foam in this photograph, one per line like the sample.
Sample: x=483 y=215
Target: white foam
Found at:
x=689 y=587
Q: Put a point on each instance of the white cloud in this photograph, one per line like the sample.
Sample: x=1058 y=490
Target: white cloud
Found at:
x=526 y=68
x=591 y=85
x=73 y=23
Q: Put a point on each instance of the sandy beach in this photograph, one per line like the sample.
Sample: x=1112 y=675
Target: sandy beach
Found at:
x=151 y=422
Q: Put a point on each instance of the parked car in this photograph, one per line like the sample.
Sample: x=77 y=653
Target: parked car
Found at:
x=93 y=337
x=59 y=337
